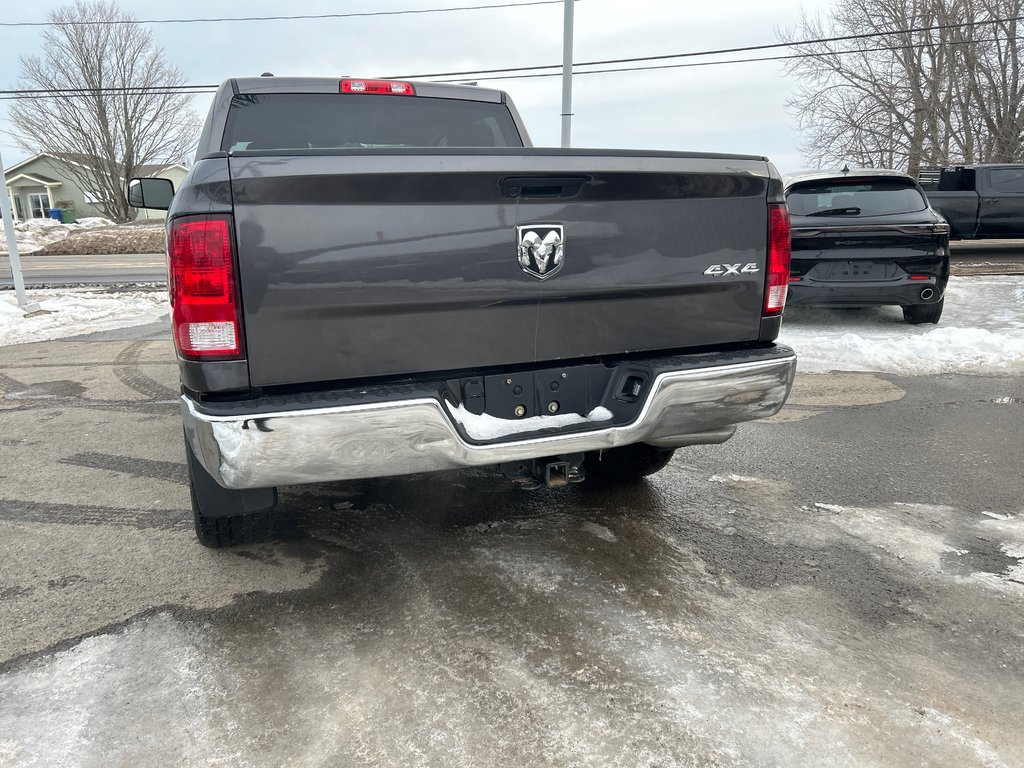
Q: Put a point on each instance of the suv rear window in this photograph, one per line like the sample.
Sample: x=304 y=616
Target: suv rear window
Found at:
x=342 y=121
x=876 y=197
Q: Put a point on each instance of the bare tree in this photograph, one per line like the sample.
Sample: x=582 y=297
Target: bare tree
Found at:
x=997 y=82
x=129 y=113
x=932 y=83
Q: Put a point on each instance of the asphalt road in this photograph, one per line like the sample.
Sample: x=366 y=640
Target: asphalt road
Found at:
x=115 y=269
x=840 y=585
x=969 y=257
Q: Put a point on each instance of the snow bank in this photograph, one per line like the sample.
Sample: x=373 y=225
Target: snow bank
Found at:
x=34 y=234
x=77 y=312
x=981 y=331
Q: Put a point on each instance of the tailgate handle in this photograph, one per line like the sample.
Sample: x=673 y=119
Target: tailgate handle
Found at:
x=542 y=186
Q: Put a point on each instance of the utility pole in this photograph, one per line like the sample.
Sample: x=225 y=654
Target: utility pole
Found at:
x=12 y=247
x=567 y=76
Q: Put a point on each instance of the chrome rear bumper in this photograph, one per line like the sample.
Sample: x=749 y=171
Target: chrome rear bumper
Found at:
x=688 y=407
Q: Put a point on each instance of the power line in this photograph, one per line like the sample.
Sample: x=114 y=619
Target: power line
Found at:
x=109 y=92
x=720 y=51
x=821 y=54
x=192 y=89
x=107 y=89
x=300 y=17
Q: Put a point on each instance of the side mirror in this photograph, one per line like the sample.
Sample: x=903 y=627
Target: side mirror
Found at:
x=155 y=194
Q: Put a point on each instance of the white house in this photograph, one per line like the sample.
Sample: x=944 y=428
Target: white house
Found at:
x=44 y=181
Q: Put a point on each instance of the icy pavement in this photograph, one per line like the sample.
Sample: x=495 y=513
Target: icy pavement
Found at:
x=839 y=590
x=697 y=621
x=74 y=312
x=981 y=332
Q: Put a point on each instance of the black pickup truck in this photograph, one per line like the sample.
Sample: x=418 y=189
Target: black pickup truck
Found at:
x=984 y=201
x=374 y=278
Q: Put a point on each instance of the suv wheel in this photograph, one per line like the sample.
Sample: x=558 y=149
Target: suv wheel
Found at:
x=923 y=313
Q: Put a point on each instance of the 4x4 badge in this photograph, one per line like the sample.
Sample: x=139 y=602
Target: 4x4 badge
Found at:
x=724 y=270
x=541 y=249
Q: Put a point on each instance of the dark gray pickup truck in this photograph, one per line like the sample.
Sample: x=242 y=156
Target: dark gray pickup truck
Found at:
x=374 y=278
x=984 y=201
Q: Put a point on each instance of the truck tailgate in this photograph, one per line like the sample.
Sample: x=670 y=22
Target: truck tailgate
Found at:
x=362 y=265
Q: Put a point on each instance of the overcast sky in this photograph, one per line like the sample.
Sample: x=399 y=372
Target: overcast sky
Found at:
x=727 y=108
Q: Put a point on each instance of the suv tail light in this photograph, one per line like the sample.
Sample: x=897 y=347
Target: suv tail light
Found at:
x=392 y=87
x=201 y=282
x=778 y=259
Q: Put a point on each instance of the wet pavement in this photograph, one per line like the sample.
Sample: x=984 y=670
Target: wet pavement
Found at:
x=841 y=584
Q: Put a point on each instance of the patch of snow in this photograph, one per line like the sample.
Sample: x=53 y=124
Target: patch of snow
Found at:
x=829 y=507
x=487 y=427
x=733 y=479
x=965 y=734
x=74 y=312
x=995 y=515
x=33 y=234
x=91 y=222
x=1014 y=573
x=68 y=709
x=912 y=533
x=599 y=530
x=887 y=531
x=981 y=331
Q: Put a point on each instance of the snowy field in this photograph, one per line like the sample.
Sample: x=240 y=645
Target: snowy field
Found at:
x=981 y=331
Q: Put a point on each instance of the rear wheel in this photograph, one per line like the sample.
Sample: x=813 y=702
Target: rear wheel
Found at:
x=923 y=313
x=224 y=517
x=627 y=464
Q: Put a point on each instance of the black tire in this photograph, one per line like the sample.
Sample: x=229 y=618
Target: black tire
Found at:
x=916 y=314
x=627 y=464
x=223 y=517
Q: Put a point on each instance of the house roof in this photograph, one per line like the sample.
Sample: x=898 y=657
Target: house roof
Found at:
x=72 y=157
x=16 y=166
x=36 y=178
x=77 y=158
x=152 y=169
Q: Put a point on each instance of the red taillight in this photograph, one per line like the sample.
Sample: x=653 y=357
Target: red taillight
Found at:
x=201 y=282
x=778 y=259
x=391 y=87
x=920 y=277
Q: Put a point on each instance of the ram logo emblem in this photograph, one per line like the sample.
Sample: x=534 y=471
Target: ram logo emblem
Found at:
x=541 y=249
x=725 y=270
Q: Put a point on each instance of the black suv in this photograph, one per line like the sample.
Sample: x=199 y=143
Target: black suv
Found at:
x=866 y=237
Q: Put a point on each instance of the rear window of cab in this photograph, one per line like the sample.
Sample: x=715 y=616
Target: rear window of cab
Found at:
x=872 y=197
x=340 y=121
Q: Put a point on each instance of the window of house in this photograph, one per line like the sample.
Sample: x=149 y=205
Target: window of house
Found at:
x=38 y=204
x=19 y=209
